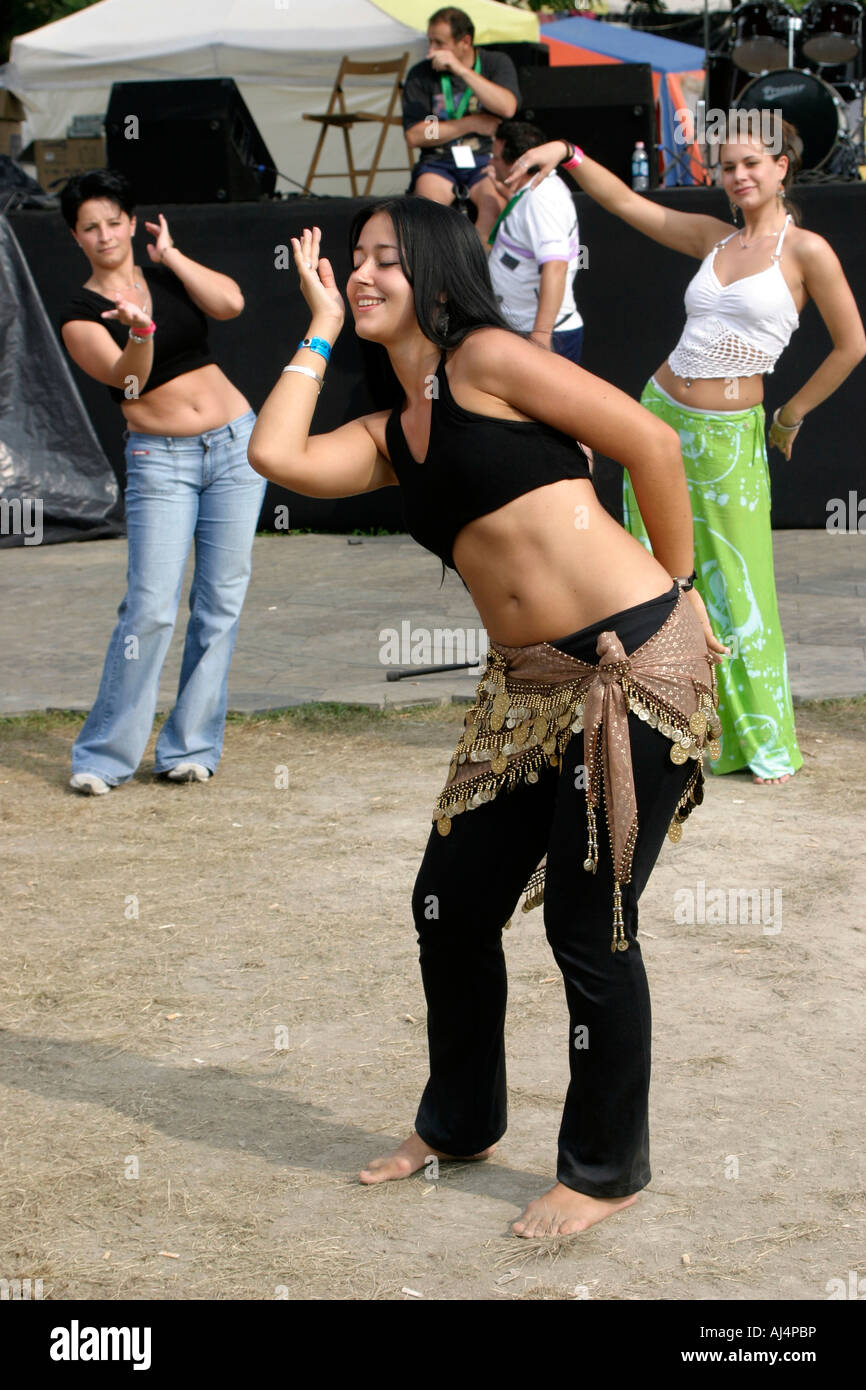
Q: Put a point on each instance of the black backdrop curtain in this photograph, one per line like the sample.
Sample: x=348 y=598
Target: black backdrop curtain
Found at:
x=630 y=294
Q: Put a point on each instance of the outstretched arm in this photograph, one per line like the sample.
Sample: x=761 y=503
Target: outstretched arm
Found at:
x=344 y=462
x=690 y=232
x=92 y=347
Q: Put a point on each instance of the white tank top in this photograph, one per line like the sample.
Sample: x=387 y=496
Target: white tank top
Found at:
x=739 y=329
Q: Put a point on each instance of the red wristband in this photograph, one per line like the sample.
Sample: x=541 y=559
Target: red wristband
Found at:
x=576 y=158
x=141 y=335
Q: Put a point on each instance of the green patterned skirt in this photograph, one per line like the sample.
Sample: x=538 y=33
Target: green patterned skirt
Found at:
x=725 y=459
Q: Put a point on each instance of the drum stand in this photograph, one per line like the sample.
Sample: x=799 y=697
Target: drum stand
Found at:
x=795 y=24
x=849 y=159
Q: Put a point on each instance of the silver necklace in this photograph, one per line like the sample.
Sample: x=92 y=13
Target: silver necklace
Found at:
x=136 y=285
x=757 y=239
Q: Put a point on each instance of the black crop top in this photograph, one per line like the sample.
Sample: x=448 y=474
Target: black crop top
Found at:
x=180 y=343
x=474 y=465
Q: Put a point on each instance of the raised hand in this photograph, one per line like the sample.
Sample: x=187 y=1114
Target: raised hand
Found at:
x=444 y=60
x=316 y=276
x=163 y=242
x=126 y=311
x=500 y=188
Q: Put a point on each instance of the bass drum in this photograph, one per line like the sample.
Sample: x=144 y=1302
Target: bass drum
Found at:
x=810 y=104
x=760 y=40
x=833 y=31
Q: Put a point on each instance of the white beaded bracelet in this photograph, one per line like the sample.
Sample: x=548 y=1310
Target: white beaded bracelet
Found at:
x=306 y=371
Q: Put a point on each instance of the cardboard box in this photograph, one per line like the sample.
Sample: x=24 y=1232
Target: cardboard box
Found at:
x=11 y=115
x=56 y=160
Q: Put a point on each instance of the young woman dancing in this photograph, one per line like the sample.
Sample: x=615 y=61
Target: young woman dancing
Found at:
x=143 y=334
x=742 y=308
x=483 y=448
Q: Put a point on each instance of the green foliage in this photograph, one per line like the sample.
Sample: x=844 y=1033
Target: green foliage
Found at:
x=21 y=16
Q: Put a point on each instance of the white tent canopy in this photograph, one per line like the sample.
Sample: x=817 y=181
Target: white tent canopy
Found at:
x=283 y=54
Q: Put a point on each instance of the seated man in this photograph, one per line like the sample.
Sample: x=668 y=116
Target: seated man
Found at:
x=535 y=248
x=452 y=104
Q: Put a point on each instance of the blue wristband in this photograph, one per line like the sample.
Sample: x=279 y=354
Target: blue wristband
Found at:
x=316 y=345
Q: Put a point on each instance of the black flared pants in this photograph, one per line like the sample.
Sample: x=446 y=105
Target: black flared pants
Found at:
x=468 y=887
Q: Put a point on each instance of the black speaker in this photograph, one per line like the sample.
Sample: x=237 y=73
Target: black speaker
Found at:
x=187 y=141
x=603 y=107
x=523 y=55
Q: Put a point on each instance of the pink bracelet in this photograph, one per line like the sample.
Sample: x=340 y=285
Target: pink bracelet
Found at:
x=142 y=335
x=575 y=159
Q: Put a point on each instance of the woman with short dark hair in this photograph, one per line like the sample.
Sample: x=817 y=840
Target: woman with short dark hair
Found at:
x=143 y=334
x=482 y=444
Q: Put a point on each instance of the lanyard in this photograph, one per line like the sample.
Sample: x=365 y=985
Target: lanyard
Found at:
x=445 y=81
x=503 y=214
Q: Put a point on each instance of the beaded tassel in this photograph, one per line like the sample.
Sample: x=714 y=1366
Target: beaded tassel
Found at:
x=618 y=943
x=590 y=863
x=534 y=890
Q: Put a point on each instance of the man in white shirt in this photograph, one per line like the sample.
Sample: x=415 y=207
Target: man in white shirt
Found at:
x=535 y=249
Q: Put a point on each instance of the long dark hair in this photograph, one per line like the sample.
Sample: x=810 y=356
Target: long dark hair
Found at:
x=443 y=260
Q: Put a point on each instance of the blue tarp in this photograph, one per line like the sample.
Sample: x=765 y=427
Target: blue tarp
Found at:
x=636 y=46
x=629 y=45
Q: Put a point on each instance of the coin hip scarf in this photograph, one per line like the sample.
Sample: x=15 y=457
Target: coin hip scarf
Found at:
x=532 y=699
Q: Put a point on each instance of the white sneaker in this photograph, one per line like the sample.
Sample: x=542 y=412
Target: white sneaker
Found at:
x=89 y=784
x=188 y=772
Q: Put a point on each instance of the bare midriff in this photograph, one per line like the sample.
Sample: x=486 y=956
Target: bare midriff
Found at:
x=189 y=404
x=712 y=393
x=551 y=562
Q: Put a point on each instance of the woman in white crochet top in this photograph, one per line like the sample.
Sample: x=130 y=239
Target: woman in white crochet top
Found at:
x=742 y=307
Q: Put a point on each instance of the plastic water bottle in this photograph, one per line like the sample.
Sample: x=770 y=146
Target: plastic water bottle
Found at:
x=640 y=167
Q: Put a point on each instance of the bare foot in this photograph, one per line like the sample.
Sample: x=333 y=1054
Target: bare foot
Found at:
x=563 y=1212
x=771 y=781
x=412 y=1154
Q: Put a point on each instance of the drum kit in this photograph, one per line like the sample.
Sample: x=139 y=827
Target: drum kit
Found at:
x=809 y=66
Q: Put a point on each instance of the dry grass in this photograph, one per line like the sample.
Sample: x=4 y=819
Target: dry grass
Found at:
x=164 y=1140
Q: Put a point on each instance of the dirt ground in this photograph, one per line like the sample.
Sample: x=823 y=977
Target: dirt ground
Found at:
x=212 y=1016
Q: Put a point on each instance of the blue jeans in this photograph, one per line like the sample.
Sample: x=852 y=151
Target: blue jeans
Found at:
x=568 y=344
x=447 y=169
x=178 y=489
